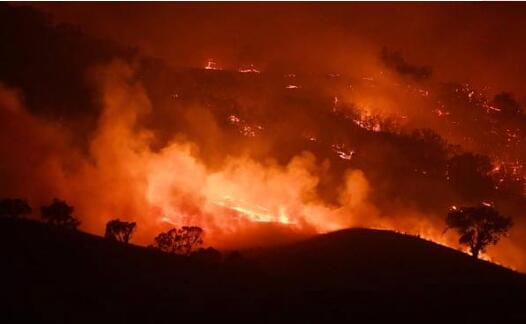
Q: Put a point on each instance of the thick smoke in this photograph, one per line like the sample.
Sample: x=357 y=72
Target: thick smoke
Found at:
x=478 y=43
x=122 y=177
x=328 y=136
x=395 y=61
x=241 y=202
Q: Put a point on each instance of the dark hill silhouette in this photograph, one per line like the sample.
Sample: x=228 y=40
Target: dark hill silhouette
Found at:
x=380 y=275
x=379 y=258
x=52 y=275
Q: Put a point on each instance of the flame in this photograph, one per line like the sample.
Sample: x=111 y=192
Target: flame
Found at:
x=246 y=191
x=249 y=69
x=176 y=185
x=255 y=213
x=342 y=152
x=368 y=122
x=211 y=64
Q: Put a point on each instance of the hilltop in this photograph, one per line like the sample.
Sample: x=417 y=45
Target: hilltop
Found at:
x=358 y=274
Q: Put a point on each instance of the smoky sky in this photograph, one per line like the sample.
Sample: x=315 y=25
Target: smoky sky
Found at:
x=337 y=113
x=395 y=61
x=475 y=42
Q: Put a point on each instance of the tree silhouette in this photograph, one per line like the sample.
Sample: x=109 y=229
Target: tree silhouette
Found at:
x=59 y=213
x=190 y=238
x=164 y=241
x=119 y=230
x=478 y=226
x=14 y=208
x=183 y=240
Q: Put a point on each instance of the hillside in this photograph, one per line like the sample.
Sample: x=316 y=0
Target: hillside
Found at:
x=379 y=259
x=79 y=113
x=55 y=276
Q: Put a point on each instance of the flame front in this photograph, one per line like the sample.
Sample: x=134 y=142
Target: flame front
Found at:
x=233 y=173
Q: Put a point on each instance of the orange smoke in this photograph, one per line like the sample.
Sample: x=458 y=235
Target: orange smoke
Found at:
x=240 y=202
x=121 y=176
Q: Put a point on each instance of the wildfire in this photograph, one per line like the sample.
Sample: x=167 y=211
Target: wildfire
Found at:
x=249 y=69
x=211 y=64
x=245 y=128
x=255 y=213
x=368 y=122
x=488 y=204
x=342 y=152
x=442 y=112
x=174 y=185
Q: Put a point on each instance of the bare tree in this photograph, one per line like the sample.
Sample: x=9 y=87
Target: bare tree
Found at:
x=183 y=240
x=478 y=226
x=59 y=213
x=14 y=208
x=119 y=230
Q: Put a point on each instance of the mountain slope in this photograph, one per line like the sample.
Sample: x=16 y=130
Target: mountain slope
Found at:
x=376 y=258
x=50 y=275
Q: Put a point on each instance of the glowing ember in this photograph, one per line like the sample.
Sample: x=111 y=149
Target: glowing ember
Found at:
x=246 y=129
x=368 y=122
x=211 y=65
x=342 y=152
x=249 y=69
x=442 y=113
x=488 y=204
x=233 y=119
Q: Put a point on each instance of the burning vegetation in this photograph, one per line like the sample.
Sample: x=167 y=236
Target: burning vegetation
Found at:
x=253 y=153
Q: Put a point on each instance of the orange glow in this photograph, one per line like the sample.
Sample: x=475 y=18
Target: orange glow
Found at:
x=246 y=127
x=211 y=65
x=249 y=69
x=174 y=187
